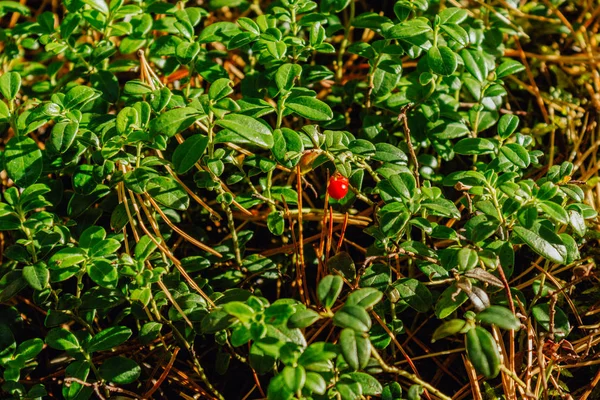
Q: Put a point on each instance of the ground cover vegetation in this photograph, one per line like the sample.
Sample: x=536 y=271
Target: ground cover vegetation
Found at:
x=295 y=199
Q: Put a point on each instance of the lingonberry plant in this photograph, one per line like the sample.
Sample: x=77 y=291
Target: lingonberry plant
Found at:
x=168 y=230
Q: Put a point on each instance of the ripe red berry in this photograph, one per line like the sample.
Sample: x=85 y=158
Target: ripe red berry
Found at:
x=338 y=186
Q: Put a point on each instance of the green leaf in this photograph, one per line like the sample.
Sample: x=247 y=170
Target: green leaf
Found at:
x=144 y=248
x=355 y=348
x=249 y=25
x=577 y=222
x=457 y=33
x=365 y=298
x=137 y=180
x=137 y=87
x=392 y=391
x=500 y=316
x=79 y=96
x=362 y=147
x=249 y=130
x=10 y=84
x=453 y=15
x=120 y=370
x=370 y=385
x=516 y=154
x=555 y=252
x=240 y=310
x=386 y=152
x=315 y=383
x=171 y=122
x=415 y=294
x=168 y=192
x=62 y=136
x=189 y=153
x=329 y=289
x=109 y=338
x=62 y=339
x=276 y=223
x=103 y=273
x=554 y=211
x=310 y=108
x=29 y=349
x=407 y=29
x=442 y=207
x=219 y=89
x=37 y=276
x=13 y=6
x=349 y=390
x=104 y=248
x=67 y=257
x=472 y=146
x=482 y=351
x=442 y=60
x=303 y=318
x=149 y=332
x=449 y=301
x=99 y=5
x=467 y=259
x=475 y=64
x=294 y=377
x=79 y=370
x=353 y=317
x=507 y=125
x=286 y=75
x=23 y=161
x=448 y=328
x=561 y=328
x=509 y=67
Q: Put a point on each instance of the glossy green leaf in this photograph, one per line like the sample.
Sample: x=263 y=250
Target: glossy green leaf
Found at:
x=516 y=154
x=168 y=192
x=353 y=317
x=189 y=153
x=415 y=294
x=37 y=276
x=62 y=339
x=286 y=75
x=408 y=29
x=67 y=257
x=109 y=338
x=249 y=130
x=553 y=251
x=79 y=96
x=62 y=136
x=355 y=348
x=23 y=160
x=449 y=301
x=120 y=370
x=365 y=297
x=329 y=289
x=473 y=146
x=310 y=108
x=10 y=84
x=103 y=273
x=174 y=121
x=448 y=328
x=499 y=316
x=482 y=351
x=442 y=60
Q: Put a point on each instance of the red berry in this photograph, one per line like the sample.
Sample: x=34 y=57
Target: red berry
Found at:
x=338 y=187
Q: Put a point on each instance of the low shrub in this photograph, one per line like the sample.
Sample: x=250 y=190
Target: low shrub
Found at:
x=287 y=199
